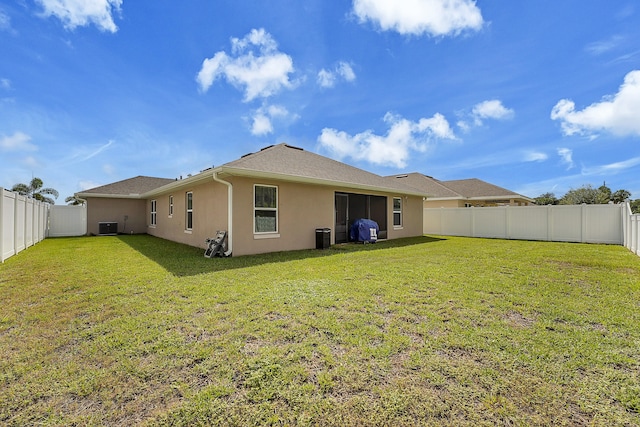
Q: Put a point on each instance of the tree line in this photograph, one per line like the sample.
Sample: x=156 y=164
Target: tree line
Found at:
x=590 y=196
x=36 y=190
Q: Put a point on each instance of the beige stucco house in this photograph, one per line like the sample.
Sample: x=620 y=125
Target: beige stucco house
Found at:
x=462 y=192
x=271 y=200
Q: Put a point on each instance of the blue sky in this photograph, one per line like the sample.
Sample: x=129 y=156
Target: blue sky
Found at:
x=539 y=96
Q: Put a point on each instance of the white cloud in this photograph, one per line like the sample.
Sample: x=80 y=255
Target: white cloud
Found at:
x=603 y=46
x=265 y=115
x=566 y=156
x=393 y=149
x=612 y=168
x=5 y=84
x=17 y=142
x=326 y=78
x=492 y=109
x=617 y=114
x=86 y=185
x=108 y=169
x=5 y=21
x=261 y=124
x=80 y=13
x=535 y=156
x=255 y=65
x=31 y=162
x=418 y=17
x=97 y=151
x=343 y=71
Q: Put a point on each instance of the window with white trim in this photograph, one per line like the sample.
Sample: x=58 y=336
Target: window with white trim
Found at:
x=188 y=224
x=265 y=209
x=170 y=206
x=397 y=212
x=154 y=213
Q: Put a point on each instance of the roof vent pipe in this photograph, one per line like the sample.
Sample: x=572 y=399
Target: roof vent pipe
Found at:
x=229 y=213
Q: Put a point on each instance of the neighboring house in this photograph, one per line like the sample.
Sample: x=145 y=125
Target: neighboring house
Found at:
x=462 y=192
x=271 y=200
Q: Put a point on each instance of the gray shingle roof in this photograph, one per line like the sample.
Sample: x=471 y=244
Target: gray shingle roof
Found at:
x=431 y=186
x=131 y=186
x=285 y=160
x=458 y=189
x=280 y=161
x=474 y=187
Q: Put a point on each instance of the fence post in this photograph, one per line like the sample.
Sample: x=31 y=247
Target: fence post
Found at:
x=507 y=220
x=473 y=221
x=1 y=225
x=549 y=223
x=634 y=234
x=627 y=216
x=583 y=219
x=15 y=225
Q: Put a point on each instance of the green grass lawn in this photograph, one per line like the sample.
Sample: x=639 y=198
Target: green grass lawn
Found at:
x=135 y=330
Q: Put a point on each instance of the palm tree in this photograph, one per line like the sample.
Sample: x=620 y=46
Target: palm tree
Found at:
x=35 y=190
x=74 y=200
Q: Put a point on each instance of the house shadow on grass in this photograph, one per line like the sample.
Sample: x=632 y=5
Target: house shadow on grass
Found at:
x=182 y=260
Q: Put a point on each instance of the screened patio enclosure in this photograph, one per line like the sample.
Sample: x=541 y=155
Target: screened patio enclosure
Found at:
x=350 y=207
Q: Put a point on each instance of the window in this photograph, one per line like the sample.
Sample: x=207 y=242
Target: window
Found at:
x=170 y=206
x=265 y=209
x=397 y=212
x=154 y=213
x=189 y=211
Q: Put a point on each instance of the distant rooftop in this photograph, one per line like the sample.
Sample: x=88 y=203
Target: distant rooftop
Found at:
x=131 y=186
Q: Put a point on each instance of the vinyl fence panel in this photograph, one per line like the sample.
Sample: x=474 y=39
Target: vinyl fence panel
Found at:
x=571 y=223
x=68 y=221
x=7 y=230
x=20 y=224
x=529 y=224
x=23 y=223
x=491 y=224
x=631 y=230
x=566 y=223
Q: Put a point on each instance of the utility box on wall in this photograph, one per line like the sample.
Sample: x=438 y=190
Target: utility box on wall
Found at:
x=107 y=228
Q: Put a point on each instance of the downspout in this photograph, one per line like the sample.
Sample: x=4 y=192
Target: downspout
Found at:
x=86 y=215
x=229 y=213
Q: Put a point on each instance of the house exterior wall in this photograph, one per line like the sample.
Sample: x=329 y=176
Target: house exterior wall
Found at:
x=209 y=214
x=412 y=211
x=301 y=208
x=115 y=210
x=443 y=203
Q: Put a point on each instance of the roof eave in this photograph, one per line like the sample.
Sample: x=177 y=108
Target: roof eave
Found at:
x=508 y=196
x=434 y=198
x=186 y=182
x=108 y=196
x=317 y=181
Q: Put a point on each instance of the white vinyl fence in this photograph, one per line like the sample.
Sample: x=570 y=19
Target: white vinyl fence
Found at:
x=68 y=221
x=631 y=227
x=23 y=223
x=570 y=223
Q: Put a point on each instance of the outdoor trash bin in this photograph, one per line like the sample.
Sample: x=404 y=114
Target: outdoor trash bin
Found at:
x=323 y=238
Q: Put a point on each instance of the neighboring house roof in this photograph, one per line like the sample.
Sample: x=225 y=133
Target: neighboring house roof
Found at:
x=433 y=187
x=132 y=187
x=476 y=188
x=470 y=189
